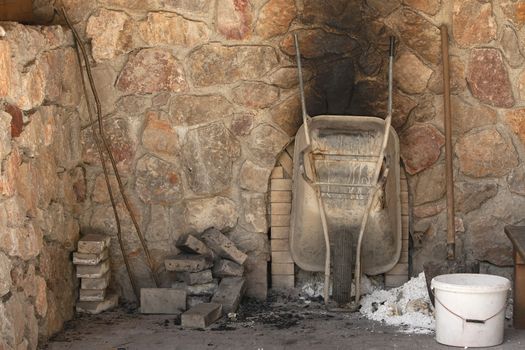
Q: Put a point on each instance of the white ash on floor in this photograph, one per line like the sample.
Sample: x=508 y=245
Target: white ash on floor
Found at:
x=407 y=306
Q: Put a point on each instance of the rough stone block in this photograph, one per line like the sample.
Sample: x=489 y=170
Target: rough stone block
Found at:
x=201 y=316
x=205 y=289
x=93 y=271
x=188 y=263
x=192 y=278
x=193 y=245
x=93 y=243
x=162 y=301
x=230 y=293
x=92 y=294
x=223 y=246
x=193 y=300
x=96 y=307
x=95 y=283
x=227 y=268
x=90 y=259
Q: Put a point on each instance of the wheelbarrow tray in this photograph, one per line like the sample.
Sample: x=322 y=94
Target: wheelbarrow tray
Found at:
x=345 y=208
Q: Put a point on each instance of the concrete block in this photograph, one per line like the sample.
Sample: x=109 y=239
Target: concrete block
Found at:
x=286 y=162
x=193 y=300
x=230 y=293
x=188 y=263
x=92 y=294
x=223 y=246
x=281 y=196
x=277 y=172
x=280 y=245
x=93 y=243
x=256 y=275
x=90 y=259
x=283 y=269
x=93 y=271
x=95 y=283
x=283 y=282
x=162 y=301
x=281 y=185
x=280 y=220
x=96 y=307
x=281 y=208
x=282 y=232
x=282 y=257
x=205 y=289
x=393 y=281
x=191 y=244
x=201 y=316
x=201 y=277
x=399 y=269
x=227 y=268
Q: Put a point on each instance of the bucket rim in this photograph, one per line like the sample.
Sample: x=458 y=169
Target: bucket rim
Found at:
x=445 y=283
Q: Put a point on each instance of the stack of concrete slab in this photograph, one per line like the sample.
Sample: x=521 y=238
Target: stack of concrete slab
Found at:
x=92 y=262
x=210 y=281
x=283 y=267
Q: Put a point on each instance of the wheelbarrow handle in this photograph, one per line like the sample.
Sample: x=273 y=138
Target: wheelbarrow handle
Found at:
x=392 y=50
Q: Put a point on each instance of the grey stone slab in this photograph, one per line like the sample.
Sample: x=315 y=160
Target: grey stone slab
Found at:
x=198 y=289
x=188 y=263
x=96 y=307
x=193 y=245
x=230 y=293
x=201 y=277
x=223 y=246
x=93 y=271
x=192 y=300
x=227 y=268
x=201 y=316
x=162 y=301
x=95 y=283
x=92 y=294
x=90 y=259
x=93 y=243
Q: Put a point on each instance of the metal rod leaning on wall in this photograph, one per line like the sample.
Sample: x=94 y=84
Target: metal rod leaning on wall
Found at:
x=105 y=143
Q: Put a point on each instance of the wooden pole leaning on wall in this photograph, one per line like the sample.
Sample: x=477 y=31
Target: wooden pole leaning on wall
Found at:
x=106 y=146
x=449 y=156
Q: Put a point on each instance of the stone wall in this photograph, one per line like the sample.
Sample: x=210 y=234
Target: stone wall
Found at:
x=199 y=97
x=488 y=103
x=42 y=184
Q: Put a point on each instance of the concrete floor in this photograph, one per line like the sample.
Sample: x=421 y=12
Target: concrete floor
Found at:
x=270 y=326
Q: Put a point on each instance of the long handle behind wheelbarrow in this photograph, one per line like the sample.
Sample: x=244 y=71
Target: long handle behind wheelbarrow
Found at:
x=307 y=152
x=377 y=184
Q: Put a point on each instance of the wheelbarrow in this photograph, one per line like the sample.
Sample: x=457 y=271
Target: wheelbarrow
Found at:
x=346 y=196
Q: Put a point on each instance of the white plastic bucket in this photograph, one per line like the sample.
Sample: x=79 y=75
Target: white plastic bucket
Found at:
x=470 y=309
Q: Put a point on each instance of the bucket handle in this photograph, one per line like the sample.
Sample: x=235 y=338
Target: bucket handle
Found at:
x=468 y=320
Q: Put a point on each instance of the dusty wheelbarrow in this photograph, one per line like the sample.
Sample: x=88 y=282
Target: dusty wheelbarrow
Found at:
x=346 y=196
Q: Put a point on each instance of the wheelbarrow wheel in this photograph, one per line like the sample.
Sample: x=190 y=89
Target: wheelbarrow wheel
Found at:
x=342 y=267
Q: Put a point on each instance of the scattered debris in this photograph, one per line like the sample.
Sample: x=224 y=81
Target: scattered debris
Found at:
x=408 y=306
